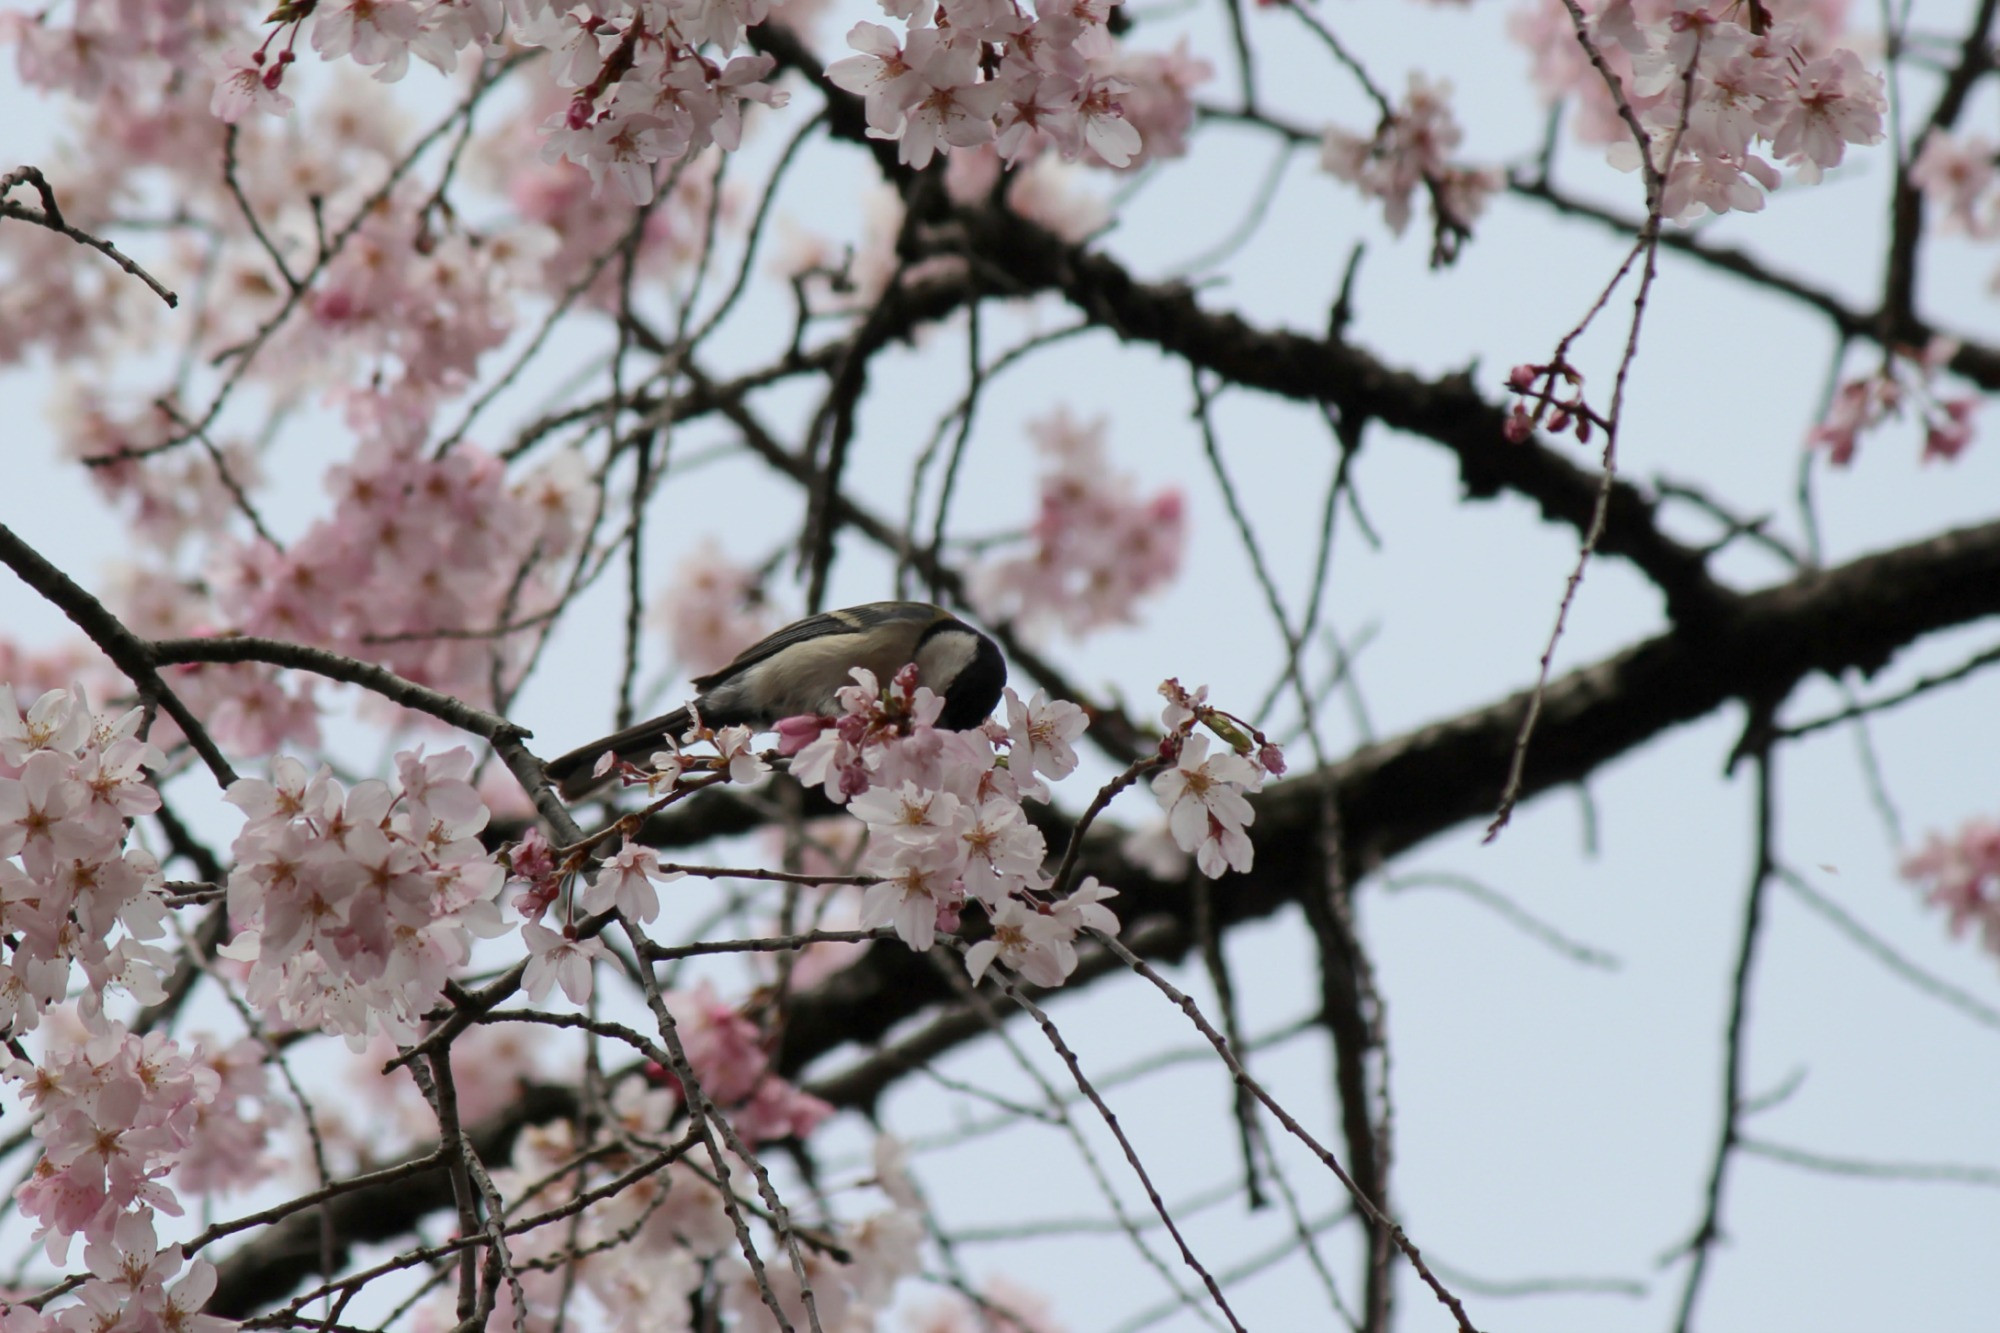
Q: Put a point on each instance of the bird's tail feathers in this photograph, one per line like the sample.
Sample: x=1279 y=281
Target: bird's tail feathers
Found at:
x=572 y=772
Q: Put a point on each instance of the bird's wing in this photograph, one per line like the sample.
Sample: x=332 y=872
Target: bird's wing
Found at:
x=848 y=620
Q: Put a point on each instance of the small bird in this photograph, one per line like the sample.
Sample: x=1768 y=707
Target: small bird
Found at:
x=801 y=668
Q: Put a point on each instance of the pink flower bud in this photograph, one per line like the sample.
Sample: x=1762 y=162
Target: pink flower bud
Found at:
x=796 y=733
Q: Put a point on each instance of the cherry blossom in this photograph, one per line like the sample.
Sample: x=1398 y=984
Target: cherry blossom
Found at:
x=229 y=1148
x=1041 y=732
x=711 y=609
x=736 y=758
x=115 y=1113
x=1097 y=547
x=992 y=73
x=1206 y=810
x=1961 y=874
x=1025 y=941
x=353 y=905
x=728 y=1054
x=1000 y=849
x=381 y=33
x=1830 y=103
x=245 y=83
x=626 y=881
x=1787 y=90
x=1084 y=908
x=1906 y=378
x=1957 y=173
x=906 y=816
x=1411 y=148
x=72 y=893
x=919 y=882
x=559 y=958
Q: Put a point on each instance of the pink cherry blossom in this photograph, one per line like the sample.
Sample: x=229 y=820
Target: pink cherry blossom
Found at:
x=247 y=82
x=1957 y=173
x=918 y=881
x=1906 y=380
x=1961 y=874
x=1787 y=91
x=626 y=882
x=1206 y=809
x=559 y=958
x=1024 y=941
x=352 y=905
x=1084 y=908
x=1409 y=149
x=1042 y=731
x=1831 y=103
x=999 y=848
x=1098 y=548
x=711 y=609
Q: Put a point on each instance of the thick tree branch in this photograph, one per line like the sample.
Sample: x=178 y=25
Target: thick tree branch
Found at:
x=1400 y=792
x=127 y=651
x=280 y=1256
x=1449 y=411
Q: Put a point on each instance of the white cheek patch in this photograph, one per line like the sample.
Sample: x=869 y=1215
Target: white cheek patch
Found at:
x=943 y=657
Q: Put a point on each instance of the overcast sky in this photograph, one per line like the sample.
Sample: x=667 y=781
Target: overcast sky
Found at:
x=1552 y=1118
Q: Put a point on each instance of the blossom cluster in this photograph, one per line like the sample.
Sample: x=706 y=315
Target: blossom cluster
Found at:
x=70 y=780
x=976 y=72
x=133 y=1286
x=1906 y=379
x=945 y=822
x=712 y=609
x=648 y=1250
x=1097 y=546
x=1961 y=874
x=116 y=1113
x=417 y=553
x=1957 y=173
x=641 y=93
x=1204 y=794
x=1411 y=147
x=726 y=1051
x=353 y=906
x=570 y=224
x=1717 y=88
